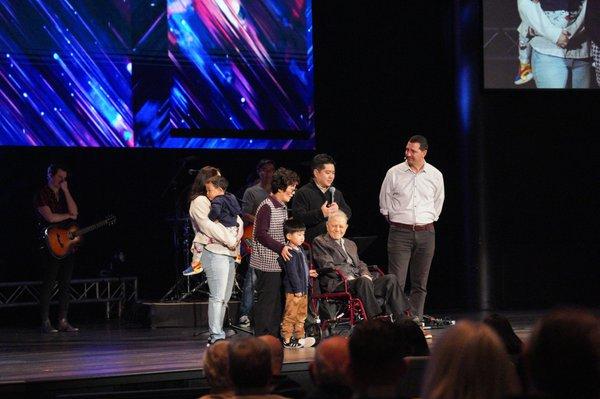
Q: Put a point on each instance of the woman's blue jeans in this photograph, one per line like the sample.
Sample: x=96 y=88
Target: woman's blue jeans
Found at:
x=552 y=72
x=220 y=275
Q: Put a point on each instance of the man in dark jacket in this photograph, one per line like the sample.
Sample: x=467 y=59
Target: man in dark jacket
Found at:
x=318 y=199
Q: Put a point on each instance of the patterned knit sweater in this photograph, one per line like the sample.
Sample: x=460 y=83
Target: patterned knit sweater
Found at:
x=268 y=239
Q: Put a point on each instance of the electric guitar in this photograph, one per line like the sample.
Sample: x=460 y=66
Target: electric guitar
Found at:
x=247 y=239
x=248 y=230
x=62 y=241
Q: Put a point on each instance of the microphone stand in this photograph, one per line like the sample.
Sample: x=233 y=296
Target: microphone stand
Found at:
x=182 y=288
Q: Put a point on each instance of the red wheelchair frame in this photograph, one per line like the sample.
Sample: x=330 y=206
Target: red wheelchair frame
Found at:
x=350 y=309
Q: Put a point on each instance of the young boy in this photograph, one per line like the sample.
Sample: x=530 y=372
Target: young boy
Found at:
x=526 y=33
x=525 y=73
x=224 y=207
x=295 y=282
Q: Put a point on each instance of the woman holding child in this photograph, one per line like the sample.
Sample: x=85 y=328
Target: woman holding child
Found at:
x=215 y=246
x=560 y=45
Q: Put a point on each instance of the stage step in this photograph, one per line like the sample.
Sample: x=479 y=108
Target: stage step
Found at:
x=184 y=314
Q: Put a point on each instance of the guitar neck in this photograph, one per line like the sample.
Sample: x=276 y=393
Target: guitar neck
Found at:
x=93 y=227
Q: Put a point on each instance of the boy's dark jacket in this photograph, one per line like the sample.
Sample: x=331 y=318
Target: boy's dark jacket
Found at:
x=225 y=208
x=295 y=272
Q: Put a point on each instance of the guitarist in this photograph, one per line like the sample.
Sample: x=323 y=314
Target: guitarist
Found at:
x=55 y=204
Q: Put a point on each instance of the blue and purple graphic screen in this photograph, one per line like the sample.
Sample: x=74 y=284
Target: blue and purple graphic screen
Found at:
x=65 y=73
x=163 y=74
x=243 y=68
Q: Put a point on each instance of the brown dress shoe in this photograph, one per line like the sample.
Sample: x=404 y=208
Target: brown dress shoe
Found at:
x=47 y=327
x=64 y=326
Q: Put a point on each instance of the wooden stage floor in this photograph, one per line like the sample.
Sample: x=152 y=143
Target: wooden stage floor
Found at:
x=127 y=351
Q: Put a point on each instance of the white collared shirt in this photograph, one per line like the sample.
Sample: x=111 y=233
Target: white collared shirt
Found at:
x=320 y=187
x=412 y=198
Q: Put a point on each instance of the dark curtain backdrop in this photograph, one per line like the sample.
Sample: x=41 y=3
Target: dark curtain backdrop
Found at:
x=384 y=70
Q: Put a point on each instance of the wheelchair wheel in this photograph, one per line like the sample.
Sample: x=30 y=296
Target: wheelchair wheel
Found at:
x=326 y=331
x=342 y=329
x=312 y=326
x=313 y=330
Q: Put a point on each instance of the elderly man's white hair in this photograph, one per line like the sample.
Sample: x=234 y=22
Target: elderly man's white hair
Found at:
x=338 y=215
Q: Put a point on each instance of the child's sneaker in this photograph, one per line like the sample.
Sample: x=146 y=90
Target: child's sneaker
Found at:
x=244 y=321
x=307 y=342
x=195 y=268
x=292 y=344
x=525 y=74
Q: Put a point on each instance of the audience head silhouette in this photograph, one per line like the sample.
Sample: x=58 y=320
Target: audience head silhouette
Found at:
x=411 y=333
x=250 y=365
x=329 y=369
x=502 y=327
x=216 y=367
x=276 y=351
x=469 y=361
x=563 y=355
x=376 y=358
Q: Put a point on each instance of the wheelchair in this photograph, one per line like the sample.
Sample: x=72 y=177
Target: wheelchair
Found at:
x=333 y=313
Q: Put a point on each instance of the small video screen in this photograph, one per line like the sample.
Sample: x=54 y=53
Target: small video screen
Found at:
x=541 y=44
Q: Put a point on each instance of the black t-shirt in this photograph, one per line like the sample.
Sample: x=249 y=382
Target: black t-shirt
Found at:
x=46 y=197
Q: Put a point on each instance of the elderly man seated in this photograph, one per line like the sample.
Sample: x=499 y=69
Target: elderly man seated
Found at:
x=332 y=250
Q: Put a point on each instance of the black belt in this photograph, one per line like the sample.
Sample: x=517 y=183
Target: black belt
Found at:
x=414 y=227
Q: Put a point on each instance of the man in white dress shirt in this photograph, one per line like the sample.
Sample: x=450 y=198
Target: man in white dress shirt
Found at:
x=411 y=200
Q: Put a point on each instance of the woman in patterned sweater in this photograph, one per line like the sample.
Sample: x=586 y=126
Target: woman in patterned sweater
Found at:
x=268 y=245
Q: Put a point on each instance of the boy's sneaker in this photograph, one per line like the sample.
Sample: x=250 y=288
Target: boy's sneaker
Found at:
x=244 y=321
x=525 y=74
x=292 y=344
x=307 y=342
x=193 y=269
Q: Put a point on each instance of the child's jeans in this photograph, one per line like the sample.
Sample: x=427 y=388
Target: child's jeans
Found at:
x=197 y=249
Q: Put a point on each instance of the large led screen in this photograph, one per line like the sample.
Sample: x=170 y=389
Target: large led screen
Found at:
x=243 y=68
x=156 y=73
x=65 y=73
x=541 y=44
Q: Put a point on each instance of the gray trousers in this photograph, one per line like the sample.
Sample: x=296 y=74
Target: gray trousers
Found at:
x=411 y=250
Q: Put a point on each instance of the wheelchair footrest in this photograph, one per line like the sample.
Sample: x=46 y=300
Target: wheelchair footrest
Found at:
x=431 y=323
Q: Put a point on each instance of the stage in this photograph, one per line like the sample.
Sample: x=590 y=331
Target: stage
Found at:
x=112 y=357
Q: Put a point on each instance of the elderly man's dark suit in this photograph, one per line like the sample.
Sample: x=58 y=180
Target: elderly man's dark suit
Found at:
x=328 y=253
